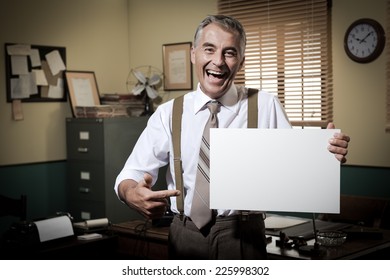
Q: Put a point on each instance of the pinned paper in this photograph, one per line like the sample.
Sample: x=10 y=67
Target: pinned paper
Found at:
x=17 y=111
x=40 y=78
x=50 y=78
x=35 y=58
x=19 y=49
x=20 y=87
x=56 y=91
x=55 y=62
x=19 y=65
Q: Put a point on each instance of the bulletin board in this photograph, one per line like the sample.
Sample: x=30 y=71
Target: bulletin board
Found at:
x=35 y=73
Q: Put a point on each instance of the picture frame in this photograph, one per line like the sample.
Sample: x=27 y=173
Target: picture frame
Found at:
x=177 y=66
x=82 y=89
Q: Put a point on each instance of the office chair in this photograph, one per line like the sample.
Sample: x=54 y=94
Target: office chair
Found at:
x=16 y=207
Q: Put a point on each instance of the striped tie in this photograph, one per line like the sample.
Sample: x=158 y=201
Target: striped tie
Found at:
x=200 y=211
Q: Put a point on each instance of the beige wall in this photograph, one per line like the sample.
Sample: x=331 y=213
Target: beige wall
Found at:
x=154 y=23
x=112 y=36
x=95 y=34
x=106 y=36
x=360 y=89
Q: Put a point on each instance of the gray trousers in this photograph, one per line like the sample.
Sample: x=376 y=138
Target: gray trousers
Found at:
x=225 y=238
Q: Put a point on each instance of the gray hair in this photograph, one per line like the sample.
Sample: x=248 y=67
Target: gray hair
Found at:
x=228 y=23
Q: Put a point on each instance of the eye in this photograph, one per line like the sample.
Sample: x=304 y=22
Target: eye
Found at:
x=230 y=53
x=209 y=50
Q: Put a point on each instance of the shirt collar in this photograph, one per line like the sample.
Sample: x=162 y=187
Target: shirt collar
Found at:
x=230 y=100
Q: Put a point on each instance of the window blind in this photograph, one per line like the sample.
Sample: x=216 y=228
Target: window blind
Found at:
x=288 y=54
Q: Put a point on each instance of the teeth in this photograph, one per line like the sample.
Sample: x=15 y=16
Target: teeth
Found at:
x=214 y=73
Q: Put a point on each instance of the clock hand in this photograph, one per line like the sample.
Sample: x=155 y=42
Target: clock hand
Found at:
x=364 y=39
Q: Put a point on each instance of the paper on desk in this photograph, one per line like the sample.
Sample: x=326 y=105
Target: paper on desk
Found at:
x=277 y=222
x=96 y=223
x=274 y=170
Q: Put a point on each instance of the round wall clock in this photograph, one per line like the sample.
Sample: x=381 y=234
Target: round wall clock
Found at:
x=364 y=40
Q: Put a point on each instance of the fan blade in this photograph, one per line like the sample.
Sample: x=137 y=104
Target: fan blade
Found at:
x=140 y=77
x=138 y=89
x=154 y=80
x=152 y=93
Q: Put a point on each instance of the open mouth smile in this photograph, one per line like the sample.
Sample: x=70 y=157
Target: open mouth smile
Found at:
x=216 y=74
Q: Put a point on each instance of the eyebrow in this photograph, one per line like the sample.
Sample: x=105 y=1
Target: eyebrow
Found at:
x=207 y=44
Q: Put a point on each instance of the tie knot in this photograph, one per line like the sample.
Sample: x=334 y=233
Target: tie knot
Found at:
x=213 y=106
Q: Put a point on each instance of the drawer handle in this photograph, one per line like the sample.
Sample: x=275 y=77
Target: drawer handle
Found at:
x=82 y=150
x=84 y=190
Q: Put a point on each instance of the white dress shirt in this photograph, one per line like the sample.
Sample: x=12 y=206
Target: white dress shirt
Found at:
x=154 y=147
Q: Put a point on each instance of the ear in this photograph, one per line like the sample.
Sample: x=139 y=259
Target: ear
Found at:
x=242 y=63
x=193 y=55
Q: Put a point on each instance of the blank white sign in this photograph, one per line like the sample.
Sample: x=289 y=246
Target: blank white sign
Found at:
x=274 y=170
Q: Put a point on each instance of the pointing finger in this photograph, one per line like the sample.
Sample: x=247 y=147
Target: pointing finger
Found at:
x=165 y=194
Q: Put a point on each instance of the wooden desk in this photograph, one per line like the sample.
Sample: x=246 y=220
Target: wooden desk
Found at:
x=353 y=248
x=139 y=240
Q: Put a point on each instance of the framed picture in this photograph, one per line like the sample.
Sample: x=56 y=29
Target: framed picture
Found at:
x=82 y=88
x=177 y=66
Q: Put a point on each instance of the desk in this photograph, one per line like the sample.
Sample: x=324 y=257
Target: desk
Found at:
x=353 y=248
x=139 y=240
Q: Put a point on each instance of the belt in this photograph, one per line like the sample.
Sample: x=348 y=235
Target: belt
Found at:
x=243 y=216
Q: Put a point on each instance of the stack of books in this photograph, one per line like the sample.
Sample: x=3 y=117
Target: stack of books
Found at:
x=101 y=111
x=134 y=104
x=113 y=105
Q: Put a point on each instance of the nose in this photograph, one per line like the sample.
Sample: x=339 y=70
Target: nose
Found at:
x=218 y=59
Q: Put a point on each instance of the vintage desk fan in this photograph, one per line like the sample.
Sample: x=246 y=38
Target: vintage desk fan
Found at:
x=145 y=81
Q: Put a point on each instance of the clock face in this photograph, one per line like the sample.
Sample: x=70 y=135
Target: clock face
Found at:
x=364 y=40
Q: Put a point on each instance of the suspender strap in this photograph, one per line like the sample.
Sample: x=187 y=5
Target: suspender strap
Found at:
x=252 y=108
x=176 y=139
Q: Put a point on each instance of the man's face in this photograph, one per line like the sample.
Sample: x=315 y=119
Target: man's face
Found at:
x=217 y=60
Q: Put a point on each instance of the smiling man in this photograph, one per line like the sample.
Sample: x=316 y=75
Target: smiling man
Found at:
x=217 y=54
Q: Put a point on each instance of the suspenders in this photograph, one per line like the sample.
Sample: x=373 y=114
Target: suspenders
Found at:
x=176 y=138
x=252 y=108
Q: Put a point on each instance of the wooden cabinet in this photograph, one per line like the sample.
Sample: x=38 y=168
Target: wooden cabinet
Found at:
x=97 y=149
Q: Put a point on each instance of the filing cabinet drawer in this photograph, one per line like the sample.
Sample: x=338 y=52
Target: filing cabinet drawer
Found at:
x=97 y=149
x=82 y=209
x=86 y=180
x=85 y=141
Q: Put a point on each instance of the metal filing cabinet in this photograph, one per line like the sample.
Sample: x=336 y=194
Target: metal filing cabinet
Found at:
x=97 y=149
